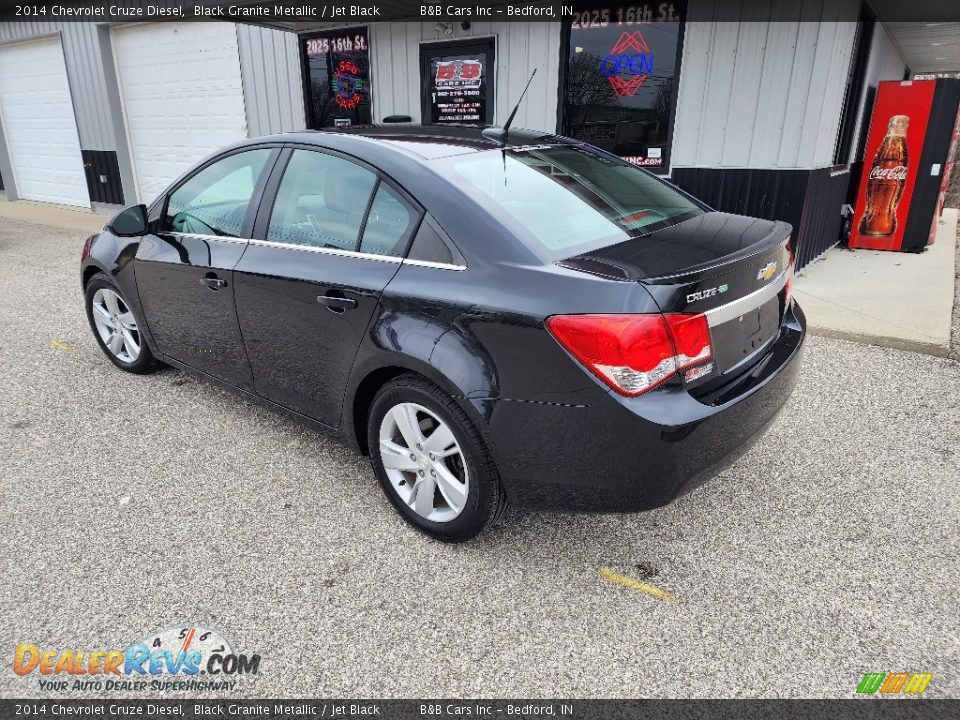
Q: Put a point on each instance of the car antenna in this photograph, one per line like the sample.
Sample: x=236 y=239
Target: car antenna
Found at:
x=495 y=133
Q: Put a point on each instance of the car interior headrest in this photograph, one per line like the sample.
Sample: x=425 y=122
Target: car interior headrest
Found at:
x=346 y=192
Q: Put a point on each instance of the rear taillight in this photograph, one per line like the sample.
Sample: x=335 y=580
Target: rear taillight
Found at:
x=789 y=285
x=691 y=338
x=85 y=253
x=634 y=353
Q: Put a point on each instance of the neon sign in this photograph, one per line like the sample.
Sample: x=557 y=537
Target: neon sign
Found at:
x=628 y=65
x=347 y=84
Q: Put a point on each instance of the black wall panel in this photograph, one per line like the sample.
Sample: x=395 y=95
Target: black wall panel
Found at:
x=809 y=200
x=103 y=176
x=820 y=225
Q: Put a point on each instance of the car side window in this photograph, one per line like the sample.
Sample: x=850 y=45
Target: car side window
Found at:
x=215 y=200
x=388 y=224
x=321 y=202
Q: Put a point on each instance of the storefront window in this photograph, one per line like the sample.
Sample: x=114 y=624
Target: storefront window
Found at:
x=622 y=73
x=337 y=83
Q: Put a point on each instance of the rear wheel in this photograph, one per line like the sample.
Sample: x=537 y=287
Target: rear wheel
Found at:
x=115 y=327
x=432 y=462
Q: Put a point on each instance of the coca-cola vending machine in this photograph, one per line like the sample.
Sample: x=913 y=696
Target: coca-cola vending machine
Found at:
x=904 y=164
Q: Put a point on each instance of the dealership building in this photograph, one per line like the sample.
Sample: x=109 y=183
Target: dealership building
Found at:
x=761 y=110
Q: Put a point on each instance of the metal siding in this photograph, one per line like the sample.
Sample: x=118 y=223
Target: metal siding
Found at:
x=395 y=72
x=747 y=75
x=762 y=93
x=694 y=74
x=822 y=70
x=84 y=73
x=800 y=77
x=717 y=99
x=885 y=63
x=272 y=84
x=782 y=37
x=835 y=94
x=825 y=103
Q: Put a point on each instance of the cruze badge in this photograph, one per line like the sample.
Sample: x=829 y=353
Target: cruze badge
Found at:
x=704 y=294
x=767 y=271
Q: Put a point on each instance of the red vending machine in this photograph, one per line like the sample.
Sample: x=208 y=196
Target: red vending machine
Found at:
x=905 y=164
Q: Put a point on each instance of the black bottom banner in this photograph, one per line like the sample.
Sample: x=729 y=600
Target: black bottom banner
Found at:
x=868 y=709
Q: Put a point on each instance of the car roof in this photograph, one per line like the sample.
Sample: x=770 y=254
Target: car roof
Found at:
x=427 y=142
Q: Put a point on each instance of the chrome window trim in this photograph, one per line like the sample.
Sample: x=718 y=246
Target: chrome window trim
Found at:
x=219 y=238
x=321 y=250
x=328 y=251
x=435 y=265
x=733 y=310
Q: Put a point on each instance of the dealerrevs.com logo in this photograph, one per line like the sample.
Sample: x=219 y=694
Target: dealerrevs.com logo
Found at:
x=179 y=658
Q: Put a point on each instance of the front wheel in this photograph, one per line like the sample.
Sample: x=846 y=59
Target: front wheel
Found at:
x=431 y=461
x=115 y=327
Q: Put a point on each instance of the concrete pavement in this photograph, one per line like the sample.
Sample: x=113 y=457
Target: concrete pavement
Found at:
x=900 y=300
x=57 y=216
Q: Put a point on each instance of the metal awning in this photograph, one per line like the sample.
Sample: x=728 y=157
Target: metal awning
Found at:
x=928 y=47
x=924 y=31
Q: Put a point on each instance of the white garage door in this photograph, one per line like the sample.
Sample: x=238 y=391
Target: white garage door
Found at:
x=38 y=121
x=182 y=96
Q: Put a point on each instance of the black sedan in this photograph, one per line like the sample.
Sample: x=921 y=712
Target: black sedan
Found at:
x=494 y=318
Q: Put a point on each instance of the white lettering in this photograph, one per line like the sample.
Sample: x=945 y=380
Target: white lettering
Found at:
x=895 y=173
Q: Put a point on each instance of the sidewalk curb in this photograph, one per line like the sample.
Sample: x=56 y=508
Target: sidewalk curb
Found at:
x=55 y=216
x=917 y=346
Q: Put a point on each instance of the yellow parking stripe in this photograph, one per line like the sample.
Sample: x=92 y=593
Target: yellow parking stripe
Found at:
x=61 y=345
x=610 y=576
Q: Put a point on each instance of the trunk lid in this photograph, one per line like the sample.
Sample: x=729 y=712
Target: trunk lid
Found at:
x=731 y=268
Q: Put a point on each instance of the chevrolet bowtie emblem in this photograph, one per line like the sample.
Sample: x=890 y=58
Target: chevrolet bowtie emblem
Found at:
x=767 y=271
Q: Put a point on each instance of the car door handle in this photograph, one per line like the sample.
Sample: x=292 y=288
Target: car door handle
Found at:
x=336 y=303
x=214 y=283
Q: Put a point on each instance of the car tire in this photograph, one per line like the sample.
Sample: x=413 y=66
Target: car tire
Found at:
x=118 y=332
x=450 y=510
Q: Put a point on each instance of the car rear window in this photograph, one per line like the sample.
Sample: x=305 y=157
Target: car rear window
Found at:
x=568 y=200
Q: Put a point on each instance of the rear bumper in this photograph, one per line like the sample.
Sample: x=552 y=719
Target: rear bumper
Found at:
x=621 y=454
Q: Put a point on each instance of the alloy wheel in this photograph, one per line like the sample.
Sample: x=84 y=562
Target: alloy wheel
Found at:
x=116 y=325
x=424 y=462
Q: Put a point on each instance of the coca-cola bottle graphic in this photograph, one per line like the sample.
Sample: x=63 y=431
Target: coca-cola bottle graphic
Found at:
x=888 y=176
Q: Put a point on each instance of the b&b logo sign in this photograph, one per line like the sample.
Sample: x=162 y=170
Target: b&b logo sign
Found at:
x=628 y=65
x=459 y=73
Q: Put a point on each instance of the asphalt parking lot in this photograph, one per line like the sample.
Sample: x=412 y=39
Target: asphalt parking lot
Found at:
x=132 y=503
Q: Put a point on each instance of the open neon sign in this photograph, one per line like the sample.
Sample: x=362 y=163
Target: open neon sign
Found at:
x=628 y=65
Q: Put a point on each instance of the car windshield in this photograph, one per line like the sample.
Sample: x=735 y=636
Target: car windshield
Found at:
x=568 y=200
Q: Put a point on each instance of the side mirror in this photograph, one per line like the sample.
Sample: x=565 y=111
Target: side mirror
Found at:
x=129 y=222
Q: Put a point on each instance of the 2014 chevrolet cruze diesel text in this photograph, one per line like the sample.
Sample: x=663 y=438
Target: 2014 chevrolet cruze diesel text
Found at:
x=494 y=318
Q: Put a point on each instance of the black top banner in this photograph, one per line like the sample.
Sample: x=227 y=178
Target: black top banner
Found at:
x=321 y=14
x=472 y=709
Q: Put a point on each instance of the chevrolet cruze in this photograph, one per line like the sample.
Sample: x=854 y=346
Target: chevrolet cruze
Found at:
x=495 y=318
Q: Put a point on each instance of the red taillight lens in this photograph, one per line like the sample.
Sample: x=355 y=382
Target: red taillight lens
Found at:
x=633 y=353
x=85 y=253
x=789 y=286
x=691 y=338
